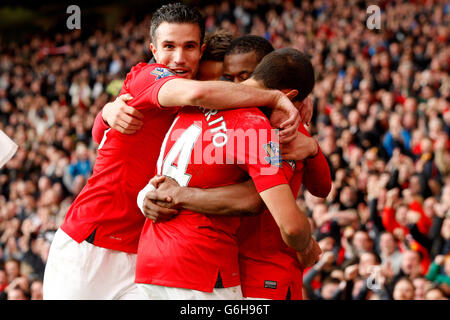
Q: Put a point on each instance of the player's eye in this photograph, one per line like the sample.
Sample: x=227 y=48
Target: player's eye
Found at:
x=226 y=78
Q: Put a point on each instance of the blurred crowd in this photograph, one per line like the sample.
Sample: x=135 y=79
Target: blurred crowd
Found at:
x=381 y=116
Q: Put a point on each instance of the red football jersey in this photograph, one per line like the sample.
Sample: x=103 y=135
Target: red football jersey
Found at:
x=206 y=149
x=124 y=165
x=268 y=266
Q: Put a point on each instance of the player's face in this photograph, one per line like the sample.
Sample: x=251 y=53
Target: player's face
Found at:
x=210 y=70
x=178 y=47
x=239 y=67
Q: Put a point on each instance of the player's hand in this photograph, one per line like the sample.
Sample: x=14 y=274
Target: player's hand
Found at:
x=170 y=188
x=162 y=203
x=157 y=180
x=309 y=256
x=300 y=148
x=286 y=117
x=157 y=207
x=306 y=110
x=158 y=204
x=121 y=116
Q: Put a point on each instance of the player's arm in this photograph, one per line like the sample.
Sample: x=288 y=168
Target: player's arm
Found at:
x=213 y=95
x=317 y=176
x=235 y=200
x=301 y=147
x=293 y=223
x=221 y=95
x=119 y=116
x=99 y=128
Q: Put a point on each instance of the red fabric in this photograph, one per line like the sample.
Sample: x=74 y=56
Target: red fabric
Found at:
x=317 y=179
x=268 y=266
x=190 y=250
x=124 y=165
x=99 y=128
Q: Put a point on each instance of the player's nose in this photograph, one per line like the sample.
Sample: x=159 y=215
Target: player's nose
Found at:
x=179 y=56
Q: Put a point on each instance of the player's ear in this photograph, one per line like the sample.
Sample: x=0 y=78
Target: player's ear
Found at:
x=290 y=93
x=202 y=49
x=152 y=48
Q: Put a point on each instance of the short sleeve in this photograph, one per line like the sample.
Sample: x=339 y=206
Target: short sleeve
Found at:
x=256 y=150
x=143 y=82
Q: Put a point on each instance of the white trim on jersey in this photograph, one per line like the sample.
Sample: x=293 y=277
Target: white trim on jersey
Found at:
x=103 y=139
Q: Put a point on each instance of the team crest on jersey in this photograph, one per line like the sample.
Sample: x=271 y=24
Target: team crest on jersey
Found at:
x=273 y=152
x=160 y=73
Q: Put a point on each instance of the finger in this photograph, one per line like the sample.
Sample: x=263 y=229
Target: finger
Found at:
x=287 y=139
x=165 y=204
x=285 y=155
x=287 y=135
x=135 y=113
x=157 y=196
x=150 y=215
x=290 y=129
x=118 y=127
x=122 y=127
x=128 y=122
x=155 y=217
x=156 y=210
x=130 y=114
x=127 y=125
x=128 y=131
x=293 y=120
x=157 y=180
x=125 y=97
x=165 y=217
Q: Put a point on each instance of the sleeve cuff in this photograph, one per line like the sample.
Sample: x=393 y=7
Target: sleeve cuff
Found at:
x=141 y=196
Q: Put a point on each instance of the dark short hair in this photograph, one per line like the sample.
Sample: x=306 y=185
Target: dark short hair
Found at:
x=286 y=68
x=177 y=13
x=250 y=43
x=217 y=43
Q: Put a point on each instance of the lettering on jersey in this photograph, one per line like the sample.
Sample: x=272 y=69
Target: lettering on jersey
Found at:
x=160 y=73
x=270 y=284
x=220 y=138
x=273 y=152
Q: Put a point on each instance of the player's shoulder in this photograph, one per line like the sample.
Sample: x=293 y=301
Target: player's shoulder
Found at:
x=249 y=117
x=154 y=70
